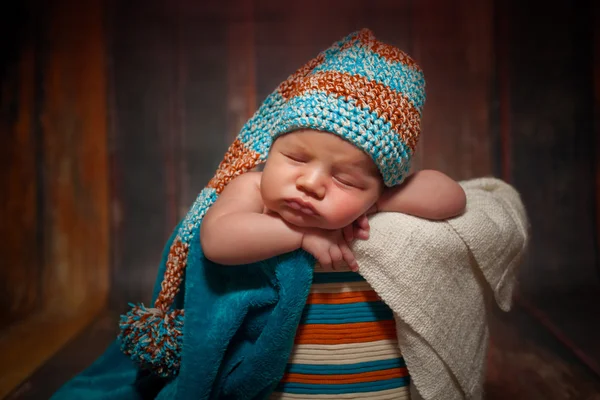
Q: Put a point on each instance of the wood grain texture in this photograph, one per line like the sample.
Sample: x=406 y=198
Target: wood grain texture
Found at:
x=79 y=353
x=75 y=276
x=526 y=362
x=20 y=248
x=140 y=46
x=553 y=145
x=241 y=67
x=30 y=343
x=553 y=162
x=56 y=265
x=453 y=43
x=596 y=44
x=501 y=108
x=169 y=128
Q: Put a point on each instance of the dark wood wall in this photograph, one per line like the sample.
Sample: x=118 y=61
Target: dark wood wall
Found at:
x=117 y=113
x=552 y=158
x=54 y=222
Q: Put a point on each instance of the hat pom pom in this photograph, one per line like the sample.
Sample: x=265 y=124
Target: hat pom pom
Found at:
x=153 y=338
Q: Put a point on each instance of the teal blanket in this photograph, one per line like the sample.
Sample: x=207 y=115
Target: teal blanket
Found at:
x=239 y=329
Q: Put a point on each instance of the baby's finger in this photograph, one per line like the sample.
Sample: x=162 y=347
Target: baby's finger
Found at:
x=363 y=222
x=348 y=232
x=337 y=259
x=325 y=261
x=349 y=257
x=361 y=234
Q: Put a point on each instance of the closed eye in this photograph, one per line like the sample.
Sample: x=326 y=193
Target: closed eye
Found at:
x=346 y=182
x=295 y=158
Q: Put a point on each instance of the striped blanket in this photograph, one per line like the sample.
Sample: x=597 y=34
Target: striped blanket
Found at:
x=346 y=344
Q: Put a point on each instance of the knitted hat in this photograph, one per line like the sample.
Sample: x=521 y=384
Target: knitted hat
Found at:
x=360 y=89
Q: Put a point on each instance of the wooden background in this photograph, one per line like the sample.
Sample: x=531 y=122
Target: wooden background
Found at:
x=54 y=208
x=114 y=115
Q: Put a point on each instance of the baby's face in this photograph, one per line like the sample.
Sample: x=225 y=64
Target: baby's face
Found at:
x=316 y=179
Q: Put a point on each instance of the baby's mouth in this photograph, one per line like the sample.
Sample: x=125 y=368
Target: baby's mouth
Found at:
x=302 y=207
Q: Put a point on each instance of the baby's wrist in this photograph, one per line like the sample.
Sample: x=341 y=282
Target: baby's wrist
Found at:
x=300 y=234
x=305 y=232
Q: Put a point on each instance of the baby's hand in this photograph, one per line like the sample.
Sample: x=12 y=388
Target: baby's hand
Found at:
x=329 y=248
x=359 y=229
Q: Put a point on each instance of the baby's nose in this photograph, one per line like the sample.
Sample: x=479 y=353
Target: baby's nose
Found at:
x=312 y=183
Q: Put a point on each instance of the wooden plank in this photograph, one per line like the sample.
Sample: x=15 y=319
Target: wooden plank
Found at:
x=553 y=166
x=115 y=179
x=526 y=362
x=169 y=95
x=20 y=249
x=61 y=114
x=596 y=28
x=28 y=344
x=140 y=69
x=172 y=123
x=552 y=119
x=206 y=119
x=78 y=354
x=581 y=309
x=241 y=67
x=453 y=43
x=207 y=124
x=73 y=118
x=502 y=145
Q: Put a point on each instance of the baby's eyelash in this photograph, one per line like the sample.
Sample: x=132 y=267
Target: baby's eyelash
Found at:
x=294 y=158
x=345 y=182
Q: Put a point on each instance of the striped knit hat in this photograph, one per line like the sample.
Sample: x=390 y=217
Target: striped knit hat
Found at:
x=360 y=89
x=367 y=92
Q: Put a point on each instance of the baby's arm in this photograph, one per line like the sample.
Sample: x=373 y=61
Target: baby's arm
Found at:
x=427 y=194
x=235 y=230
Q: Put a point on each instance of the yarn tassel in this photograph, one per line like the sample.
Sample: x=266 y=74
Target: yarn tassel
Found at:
x=153 y=337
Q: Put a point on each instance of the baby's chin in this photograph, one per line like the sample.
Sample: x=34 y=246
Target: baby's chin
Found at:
x=299 y=220
x=306 y=221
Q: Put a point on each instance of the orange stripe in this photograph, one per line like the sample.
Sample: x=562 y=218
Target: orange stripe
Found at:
x=350 y=329
x=389 y=104
x=371 y=376
x=237 y=160
x=366 y=38
x=289 y=85
x=345 y=333
x=343 y=340
x=343 y=297
x=390 y=53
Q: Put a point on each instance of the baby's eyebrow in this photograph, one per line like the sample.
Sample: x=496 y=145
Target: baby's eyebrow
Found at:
x=354 y=163
x=361 y=168
x=294 y=145
x=352 y=167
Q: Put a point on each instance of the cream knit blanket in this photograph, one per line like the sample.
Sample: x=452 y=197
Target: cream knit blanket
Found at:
x=439 y=277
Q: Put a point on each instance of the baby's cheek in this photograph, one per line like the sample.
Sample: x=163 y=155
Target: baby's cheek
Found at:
x=345 y=210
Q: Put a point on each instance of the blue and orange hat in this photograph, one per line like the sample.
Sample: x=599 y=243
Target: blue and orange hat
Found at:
x=367 y=92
